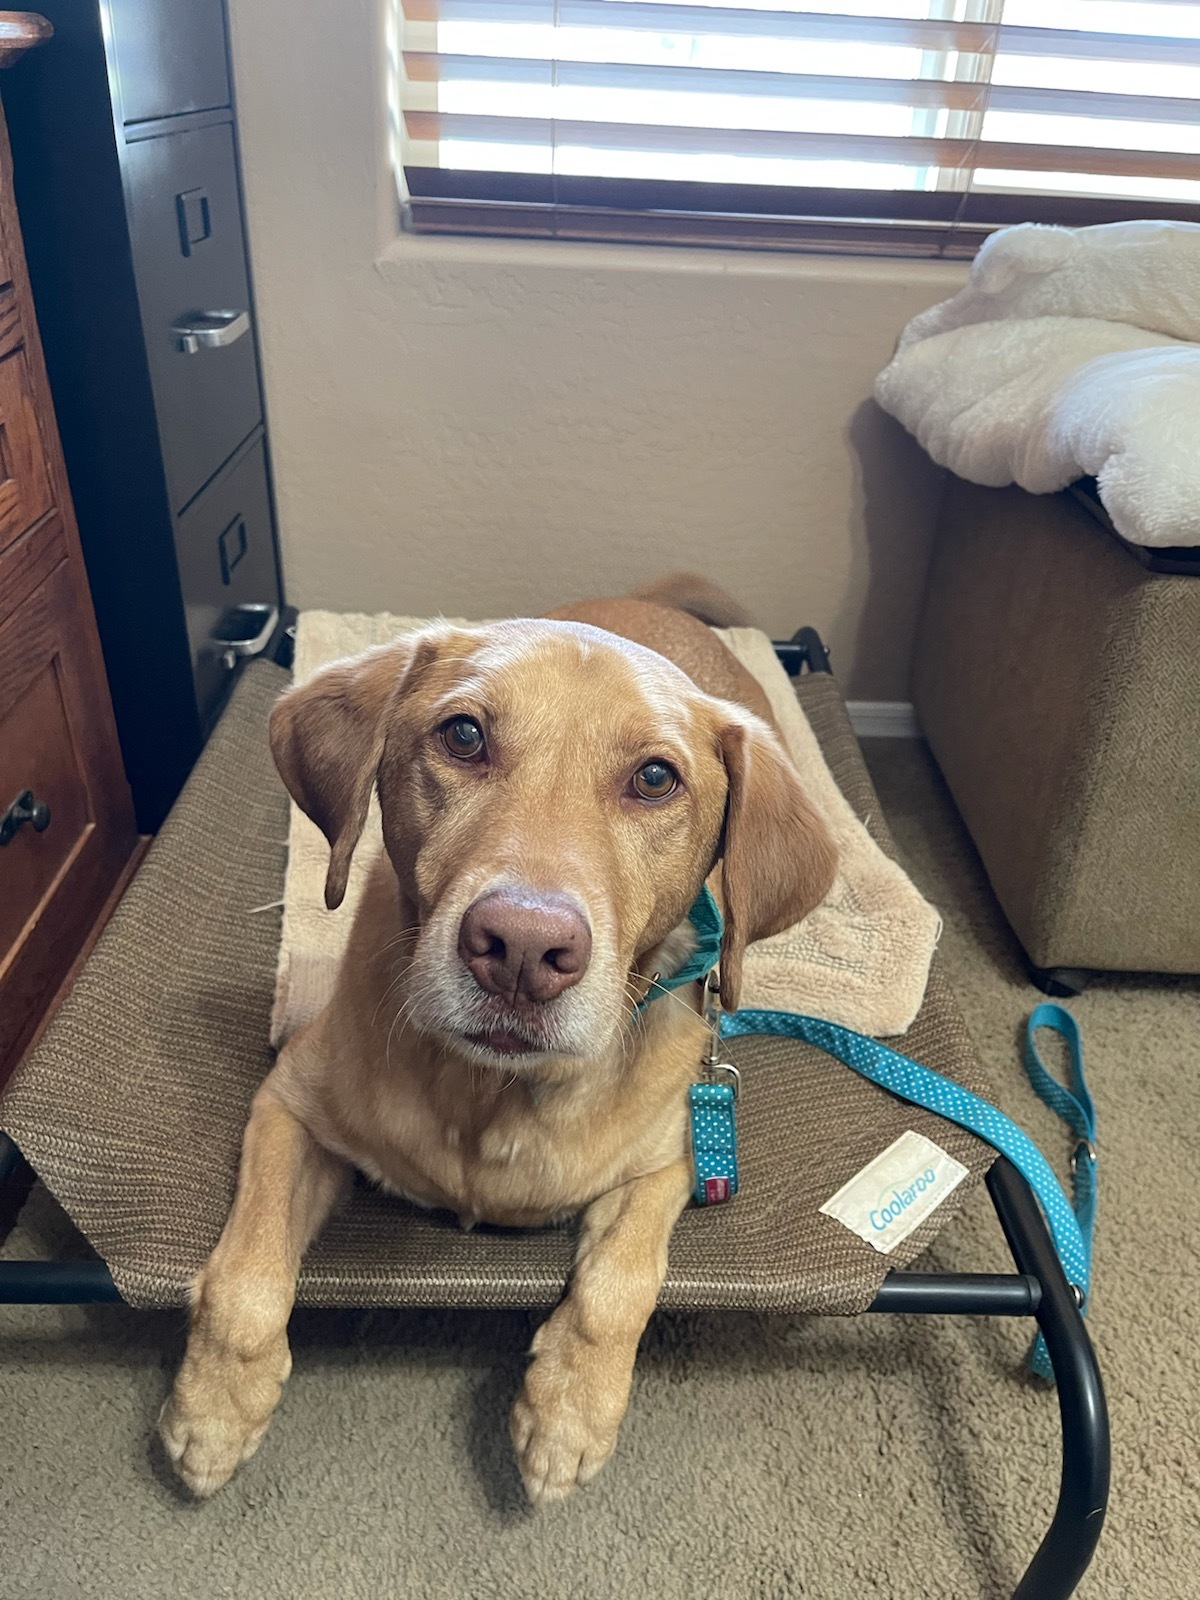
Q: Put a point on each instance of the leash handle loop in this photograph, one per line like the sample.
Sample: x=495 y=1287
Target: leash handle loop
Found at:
x=1073 y=1106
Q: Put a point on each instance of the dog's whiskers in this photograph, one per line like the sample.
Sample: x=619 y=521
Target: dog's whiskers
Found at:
x=400 y=970
x=404 y=1011
x=405 y=1018
x=672 y=994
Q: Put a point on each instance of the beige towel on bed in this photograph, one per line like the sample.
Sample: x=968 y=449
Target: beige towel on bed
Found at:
x=860 y=959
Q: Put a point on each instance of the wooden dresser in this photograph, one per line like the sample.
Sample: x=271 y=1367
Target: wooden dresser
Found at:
x=67 y=830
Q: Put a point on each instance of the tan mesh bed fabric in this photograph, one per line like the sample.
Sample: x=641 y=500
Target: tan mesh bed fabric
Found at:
x=132 y=1108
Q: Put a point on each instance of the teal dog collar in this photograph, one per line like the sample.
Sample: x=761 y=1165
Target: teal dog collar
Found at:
x=705 y=917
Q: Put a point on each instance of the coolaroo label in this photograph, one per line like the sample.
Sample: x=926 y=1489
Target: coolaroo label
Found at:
x=894 y=1194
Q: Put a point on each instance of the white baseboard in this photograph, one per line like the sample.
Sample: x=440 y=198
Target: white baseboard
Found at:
x=883 y=719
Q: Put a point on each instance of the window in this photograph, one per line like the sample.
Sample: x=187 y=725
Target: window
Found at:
x=889 y=126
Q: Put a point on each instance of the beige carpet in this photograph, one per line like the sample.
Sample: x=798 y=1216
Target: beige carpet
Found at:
x=761 y=1458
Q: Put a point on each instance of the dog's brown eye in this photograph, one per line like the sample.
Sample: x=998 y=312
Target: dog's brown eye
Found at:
x=463 y=737
x=655 y=781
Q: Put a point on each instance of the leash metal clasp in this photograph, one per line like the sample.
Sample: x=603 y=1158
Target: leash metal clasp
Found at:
x=1085 y=1148
x=714 y=1068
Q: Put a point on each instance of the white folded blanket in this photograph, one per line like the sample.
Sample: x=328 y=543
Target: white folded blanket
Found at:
x=860 y=959
x=1070 y=353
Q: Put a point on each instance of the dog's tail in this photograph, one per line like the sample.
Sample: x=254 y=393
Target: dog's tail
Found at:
x=688 y=591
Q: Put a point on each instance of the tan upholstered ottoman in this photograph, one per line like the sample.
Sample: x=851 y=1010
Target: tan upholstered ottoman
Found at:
x=1058 y=683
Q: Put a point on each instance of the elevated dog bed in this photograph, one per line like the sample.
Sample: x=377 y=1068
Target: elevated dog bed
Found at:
x=132 y=1110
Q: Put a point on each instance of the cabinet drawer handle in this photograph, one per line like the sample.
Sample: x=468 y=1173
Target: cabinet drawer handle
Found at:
x=244 y=631
x=210 y=330
x=24 y=809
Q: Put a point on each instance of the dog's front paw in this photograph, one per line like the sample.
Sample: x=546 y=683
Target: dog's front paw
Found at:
x=564 y=1422
x=217 y=1414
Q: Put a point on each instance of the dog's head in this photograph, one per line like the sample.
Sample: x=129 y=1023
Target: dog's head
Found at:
x=553 y=798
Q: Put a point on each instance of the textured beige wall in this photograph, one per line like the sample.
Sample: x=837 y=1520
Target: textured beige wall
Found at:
x=487 y=427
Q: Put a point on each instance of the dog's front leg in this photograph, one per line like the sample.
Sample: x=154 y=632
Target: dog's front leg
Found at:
x=237 y=1353
x=565 y=1420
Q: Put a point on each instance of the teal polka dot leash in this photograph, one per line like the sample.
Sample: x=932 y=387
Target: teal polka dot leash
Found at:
x=713 y=1109
x=712 y=1103
x=1071 y=1223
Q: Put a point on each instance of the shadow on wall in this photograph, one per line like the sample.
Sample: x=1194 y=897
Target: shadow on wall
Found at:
x=898 y=495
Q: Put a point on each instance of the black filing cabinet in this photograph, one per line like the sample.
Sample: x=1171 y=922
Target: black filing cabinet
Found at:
x=129 y=192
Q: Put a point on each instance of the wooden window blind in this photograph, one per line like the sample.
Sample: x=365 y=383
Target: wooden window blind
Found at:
x=883 y=126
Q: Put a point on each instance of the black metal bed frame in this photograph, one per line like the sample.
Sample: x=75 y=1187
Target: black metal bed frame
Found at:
x=1038 y=1288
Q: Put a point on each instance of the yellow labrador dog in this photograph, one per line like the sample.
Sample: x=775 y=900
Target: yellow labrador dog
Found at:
x=554 y=795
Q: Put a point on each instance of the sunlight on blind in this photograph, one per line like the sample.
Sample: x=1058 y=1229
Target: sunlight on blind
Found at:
x=1164 y=127
x=1011 y=97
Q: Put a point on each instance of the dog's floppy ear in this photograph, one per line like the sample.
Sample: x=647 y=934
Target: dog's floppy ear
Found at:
x=779 y=857
x=327 y=740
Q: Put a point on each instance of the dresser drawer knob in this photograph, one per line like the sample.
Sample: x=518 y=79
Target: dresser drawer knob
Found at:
x=25 y=808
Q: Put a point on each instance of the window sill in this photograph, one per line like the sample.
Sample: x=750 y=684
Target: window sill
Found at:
x=407 y=250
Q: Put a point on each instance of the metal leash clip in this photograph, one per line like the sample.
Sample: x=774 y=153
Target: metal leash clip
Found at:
x=714 y=1067
x=1085 y=1148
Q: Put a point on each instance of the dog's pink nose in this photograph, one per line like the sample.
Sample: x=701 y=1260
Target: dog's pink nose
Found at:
x=525 y=943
